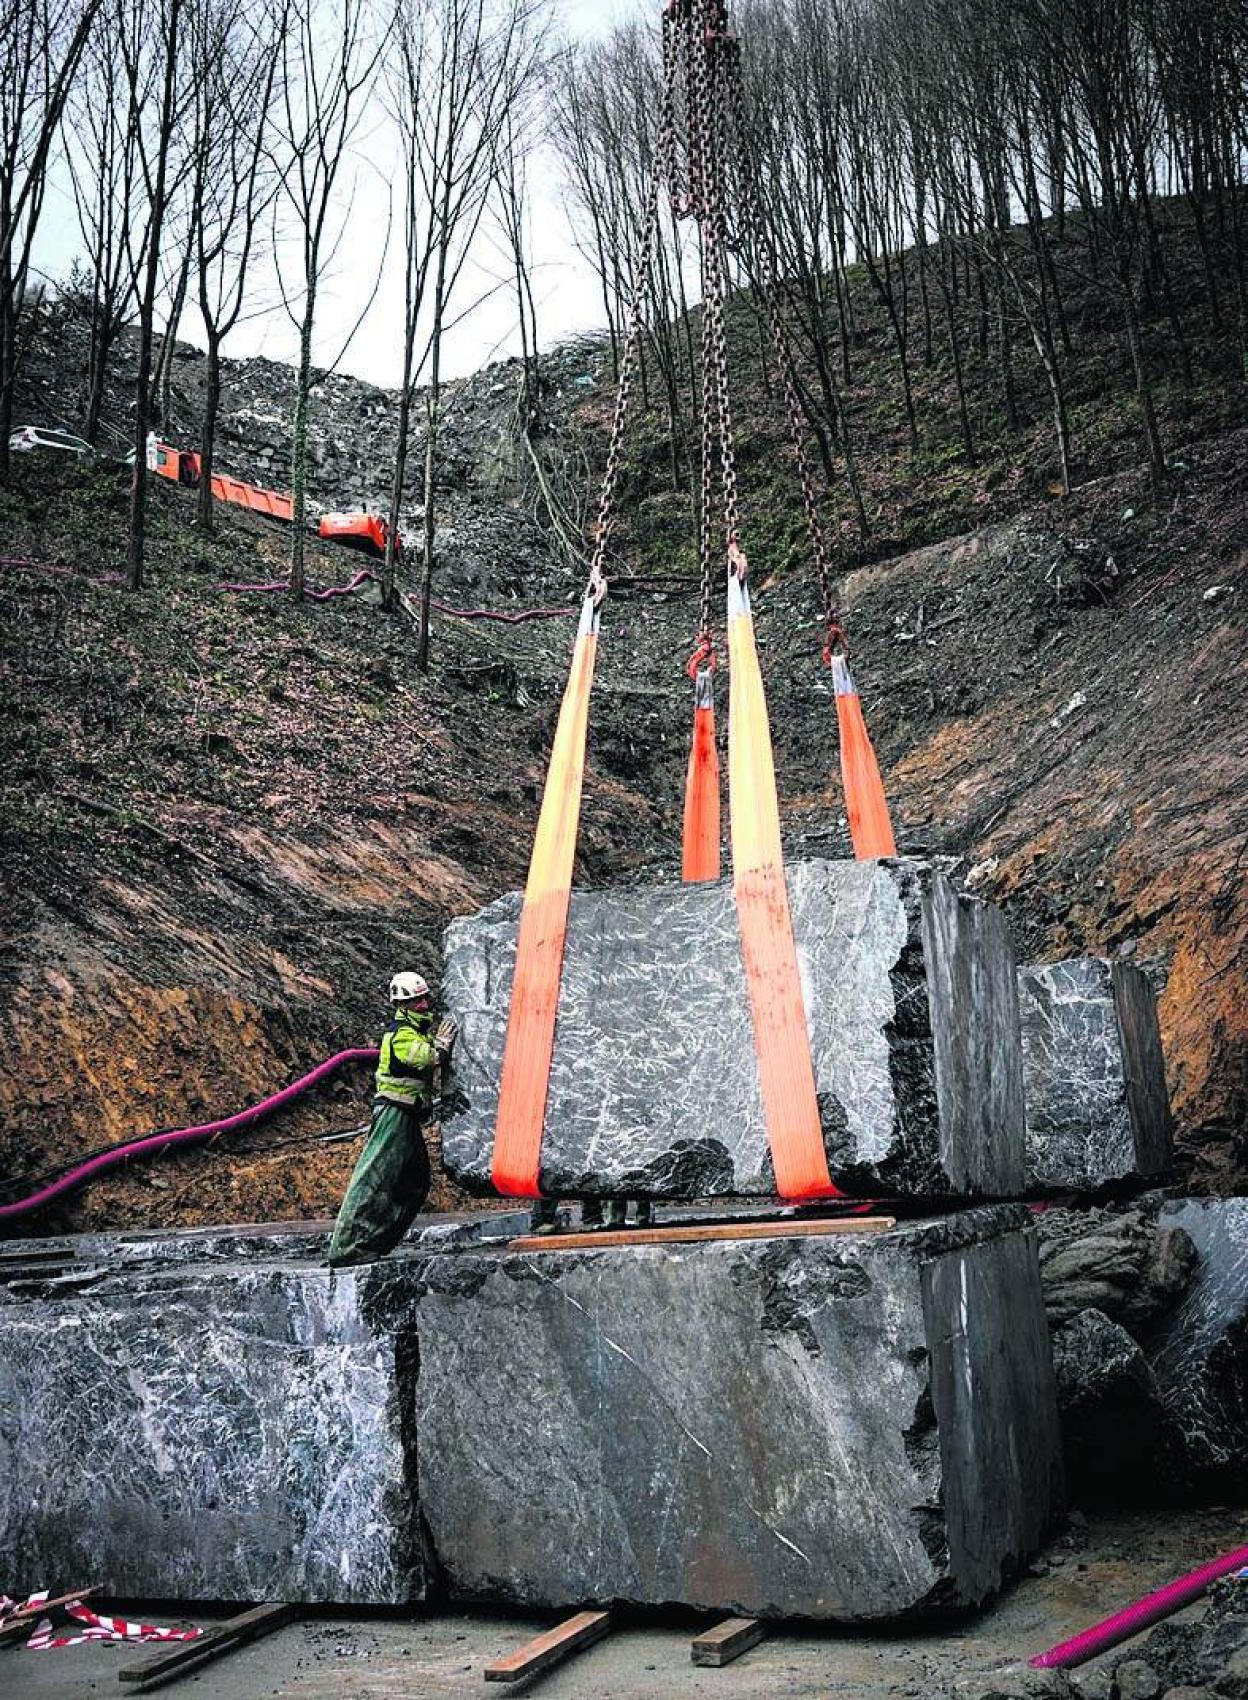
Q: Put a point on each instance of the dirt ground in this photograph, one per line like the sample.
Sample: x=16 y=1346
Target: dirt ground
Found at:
x=1091 y=1570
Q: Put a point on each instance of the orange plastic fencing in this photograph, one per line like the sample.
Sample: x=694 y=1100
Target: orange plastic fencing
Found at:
x=786 y=1073
x=870 y=825
x=543 y=930
x=699 y=858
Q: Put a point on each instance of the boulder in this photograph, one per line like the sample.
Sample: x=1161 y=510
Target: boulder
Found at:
x=1199 y=1354
x=1123 y=1262
x=1093 y=1076
x=912 y=1008
x=853 y=1428
x=1114 y=1428
x=211 y=1431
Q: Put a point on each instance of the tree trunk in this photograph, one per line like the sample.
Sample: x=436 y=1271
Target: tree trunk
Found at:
x=389 y=566
x=1144 y=389
x=204 y=511
x=299 y=448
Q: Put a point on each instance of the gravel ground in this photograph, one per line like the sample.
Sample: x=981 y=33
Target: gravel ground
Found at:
x=1089 y=1571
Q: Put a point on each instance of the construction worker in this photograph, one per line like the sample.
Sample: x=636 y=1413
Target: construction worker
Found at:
x=391 y=1179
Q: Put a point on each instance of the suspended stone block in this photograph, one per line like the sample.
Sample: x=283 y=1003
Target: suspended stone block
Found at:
x=912 y=1008
x=1093 y=1075
x=211 y=1432
x=849 y=1429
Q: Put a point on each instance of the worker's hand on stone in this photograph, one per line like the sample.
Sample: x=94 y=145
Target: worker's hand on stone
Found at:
x=444 y=1038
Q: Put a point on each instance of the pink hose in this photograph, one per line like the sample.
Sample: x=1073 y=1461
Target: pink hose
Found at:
x=518 y=618
x=157 y=1142
x=1130 y=1621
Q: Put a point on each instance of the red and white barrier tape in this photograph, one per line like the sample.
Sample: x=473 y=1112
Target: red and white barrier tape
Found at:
x=95 y=1626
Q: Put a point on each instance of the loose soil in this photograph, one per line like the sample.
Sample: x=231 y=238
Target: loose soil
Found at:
x=1086 y=1574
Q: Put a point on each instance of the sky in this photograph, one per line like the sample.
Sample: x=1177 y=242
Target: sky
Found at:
x=565 y=288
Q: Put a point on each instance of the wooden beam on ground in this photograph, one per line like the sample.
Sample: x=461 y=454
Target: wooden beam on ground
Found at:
x=782 y=1230
x=22 y=1622
x=248 y=1626
x=727 y=1641
x=552 y=1647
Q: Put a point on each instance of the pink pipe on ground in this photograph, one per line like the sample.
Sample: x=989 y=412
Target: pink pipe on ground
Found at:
x=153 y=1143
x=517 y=618
x=1132 y=1619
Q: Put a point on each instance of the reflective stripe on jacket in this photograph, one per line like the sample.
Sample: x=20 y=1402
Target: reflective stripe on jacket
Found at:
x=405 y=1068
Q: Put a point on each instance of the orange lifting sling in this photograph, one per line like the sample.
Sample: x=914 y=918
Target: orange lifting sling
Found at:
x=543 y=930
x=768 y=953
x=870 y=826
x=699 y=851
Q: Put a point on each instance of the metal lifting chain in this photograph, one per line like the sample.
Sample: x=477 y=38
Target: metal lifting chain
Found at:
x=663 y=159
x=707 y=42
x=752 y=215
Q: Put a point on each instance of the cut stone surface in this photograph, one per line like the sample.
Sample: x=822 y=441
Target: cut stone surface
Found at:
x=1093 y=1075
x=911 y=1002
x=211 y=1432
x=852 y=1429
x=1199 y=1356
x=259 y=1242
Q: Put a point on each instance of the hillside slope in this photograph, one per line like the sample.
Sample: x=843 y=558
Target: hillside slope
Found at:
x=227 y=819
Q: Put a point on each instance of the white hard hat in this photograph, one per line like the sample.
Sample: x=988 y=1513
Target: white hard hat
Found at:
x=406 y=988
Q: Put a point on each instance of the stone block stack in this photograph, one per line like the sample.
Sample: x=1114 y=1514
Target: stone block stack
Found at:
x=857 y=1426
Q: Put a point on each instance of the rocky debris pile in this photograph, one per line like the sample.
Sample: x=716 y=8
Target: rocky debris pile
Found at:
x=353 y=424
x=1203 y=1657
x=1149 y=1310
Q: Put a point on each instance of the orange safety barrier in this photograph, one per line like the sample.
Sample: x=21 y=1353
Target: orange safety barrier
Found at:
x=699 y=859
x=543 y=930
x=870 y=825
x=786 y=1073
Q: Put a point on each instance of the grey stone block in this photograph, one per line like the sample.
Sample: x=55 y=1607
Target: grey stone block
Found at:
x=260 y=1242
x=1199 y=1356
x=851 y=1429
x=912 y=1007
x=211 y=1432
x=1093 y=1075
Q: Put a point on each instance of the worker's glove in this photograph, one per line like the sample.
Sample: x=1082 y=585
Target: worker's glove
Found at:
x=444 y=1038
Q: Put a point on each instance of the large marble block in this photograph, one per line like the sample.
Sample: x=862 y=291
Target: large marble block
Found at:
x=832 y=1428
x=211 y=1432
x=1094 y=1075
x=912 y=1007
x=1199 y=1354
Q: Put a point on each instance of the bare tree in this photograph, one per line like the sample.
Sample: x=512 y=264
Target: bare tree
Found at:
x=148 y=39
x=41 y=48
x=461 y=68
x=328 y=57
x=238 y=58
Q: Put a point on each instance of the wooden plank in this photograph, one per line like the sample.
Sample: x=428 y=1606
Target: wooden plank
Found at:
x=551 y=1648
x=707 y=1231
x=22 y=1622
x=248 y=1626
x=727 y=1641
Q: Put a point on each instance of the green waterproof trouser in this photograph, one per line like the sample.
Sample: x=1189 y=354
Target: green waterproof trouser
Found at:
x=388 y=1186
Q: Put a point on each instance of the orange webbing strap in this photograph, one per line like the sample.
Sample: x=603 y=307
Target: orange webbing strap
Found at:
x=786 y=1074
x=870 y=826
x=699 y=858
x=543 y=929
